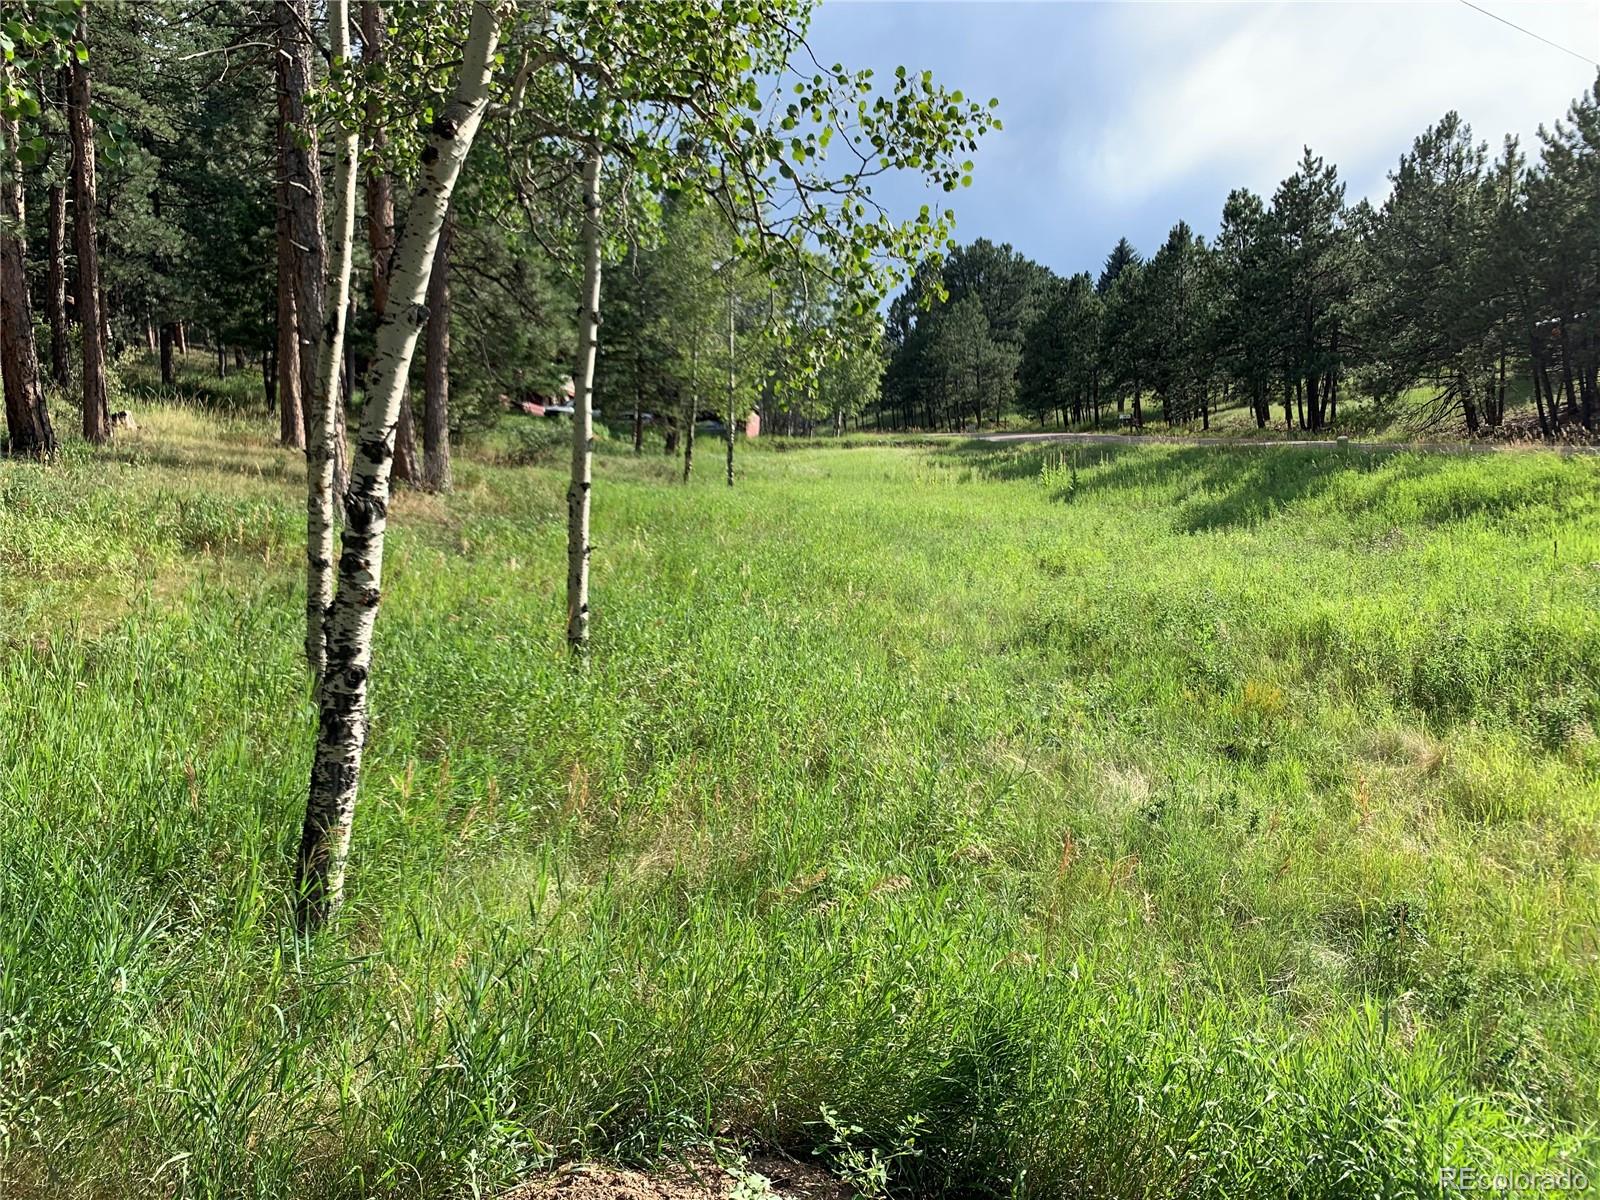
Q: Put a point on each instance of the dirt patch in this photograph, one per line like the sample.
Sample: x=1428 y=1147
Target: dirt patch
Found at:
x=702 y=1179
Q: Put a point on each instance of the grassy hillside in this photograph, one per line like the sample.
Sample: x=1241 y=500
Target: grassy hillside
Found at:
x=1193 y=822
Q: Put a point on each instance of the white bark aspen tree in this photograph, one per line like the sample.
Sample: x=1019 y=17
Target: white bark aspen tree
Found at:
x=730 y=372
x=342 y=701
x=330 y=361
x=380 y=223
x=583 y=412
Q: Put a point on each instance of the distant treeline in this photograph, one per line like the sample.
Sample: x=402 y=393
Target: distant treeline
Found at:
x=1476 y=276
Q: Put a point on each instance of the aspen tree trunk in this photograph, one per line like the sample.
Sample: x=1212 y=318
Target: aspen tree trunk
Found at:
x=330 y=368
x=436 y=380
x=380 y=228
x=730 y=375
x=342 y=701
x=56 y=285
x=583 y=412
x=27 y=419
x=96 y=411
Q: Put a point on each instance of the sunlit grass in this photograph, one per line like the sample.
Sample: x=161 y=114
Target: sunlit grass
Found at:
x=1170 y=821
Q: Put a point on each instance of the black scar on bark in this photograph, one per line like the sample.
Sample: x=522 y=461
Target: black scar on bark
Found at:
x=369 y=598
x=362 y=512
x=355 y=675
x=430 y=155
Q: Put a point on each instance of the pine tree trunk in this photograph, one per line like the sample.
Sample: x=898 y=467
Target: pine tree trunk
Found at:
x=325 y=402
x=164 y=346
x=27 y=418
x=291 y=419
x=96 y=410
x=436 y=381
x=303 y=190
x=583 y=412
x=291 y=414
x=342 y=703
x=1469 y=407
x=56 y=286
x=380 y=230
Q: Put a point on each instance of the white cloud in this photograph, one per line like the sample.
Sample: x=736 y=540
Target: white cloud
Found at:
x=1205 y=92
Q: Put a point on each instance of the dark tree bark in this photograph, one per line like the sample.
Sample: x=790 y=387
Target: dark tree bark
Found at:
x=56 y=286
x=302 y=179
x=286 y=359
x=96 y=409
x=27 y=419
x=436 y=380
x=690 y=414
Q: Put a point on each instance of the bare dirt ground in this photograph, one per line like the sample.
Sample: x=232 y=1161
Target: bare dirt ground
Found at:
x=785 y=1179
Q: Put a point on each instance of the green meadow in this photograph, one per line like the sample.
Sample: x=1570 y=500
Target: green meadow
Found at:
x=988 y=821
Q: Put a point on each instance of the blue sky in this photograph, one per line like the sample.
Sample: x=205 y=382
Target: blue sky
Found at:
x=1121 y=118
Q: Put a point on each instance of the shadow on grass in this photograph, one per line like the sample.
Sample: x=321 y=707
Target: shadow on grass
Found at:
x=1211 y=488
x=1206 y=487
x=195 y=384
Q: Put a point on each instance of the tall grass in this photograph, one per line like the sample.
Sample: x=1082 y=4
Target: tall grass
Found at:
x=1217 y=825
